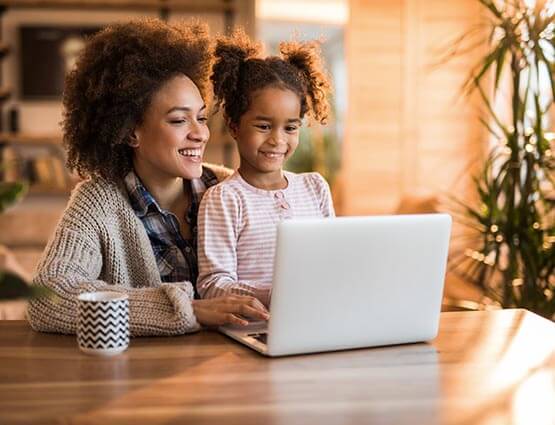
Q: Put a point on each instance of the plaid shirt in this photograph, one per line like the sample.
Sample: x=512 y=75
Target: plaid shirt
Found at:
x=176 y=257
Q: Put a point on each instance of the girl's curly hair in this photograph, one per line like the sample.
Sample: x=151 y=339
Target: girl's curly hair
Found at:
x=112 y=85
x=239 y=71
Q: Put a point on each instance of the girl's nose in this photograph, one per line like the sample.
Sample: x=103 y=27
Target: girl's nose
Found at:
x=277 y=138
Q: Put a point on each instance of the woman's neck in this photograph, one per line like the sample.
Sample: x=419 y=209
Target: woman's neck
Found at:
x=168 y=191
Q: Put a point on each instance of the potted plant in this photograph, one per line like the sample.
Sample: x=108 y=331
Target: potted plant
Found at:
x=513 y=257
x=12 y=285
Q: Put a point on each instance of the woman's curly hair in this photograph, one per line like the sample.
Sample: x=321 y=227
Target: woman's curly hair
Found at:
x=112 y=85
x=239 y=71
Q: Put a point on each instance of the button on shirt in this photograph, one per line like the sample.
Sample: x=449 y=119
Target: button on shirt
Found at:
x=176 y=257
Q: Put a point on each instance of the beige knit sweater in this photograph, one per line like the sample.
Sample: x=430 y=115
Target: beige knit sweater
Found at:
x=98 y=245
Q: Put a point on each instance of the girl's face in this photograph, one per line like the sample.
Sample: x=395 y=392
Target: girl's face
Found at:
x=170 y=141
x=267 y=135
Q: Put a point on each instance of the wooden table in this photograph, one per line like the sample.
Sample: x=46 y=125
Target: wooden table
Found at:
x=494 y=367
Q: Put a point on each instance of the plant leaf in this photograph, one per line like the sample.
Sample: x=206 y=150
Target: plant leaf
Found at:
x=13 y=287
x=10 y=192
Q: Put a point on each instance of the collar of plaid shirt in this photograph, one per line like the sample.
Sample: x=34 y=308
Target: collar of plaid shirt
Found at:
x=163 y=230
x=143 y=202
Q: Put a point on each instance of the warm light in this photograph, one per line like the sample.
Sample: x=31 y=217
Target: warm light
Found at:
x=518 y=282
x=534 y=400
x=321 y=11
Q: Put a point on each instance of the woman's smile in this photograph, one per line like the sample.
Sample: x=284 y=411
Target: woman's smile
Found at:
x=191 y=154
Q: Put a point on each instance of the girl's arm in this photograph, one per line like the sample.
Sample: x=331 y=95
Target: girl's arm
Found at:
x=219 y=224
x=323 y=193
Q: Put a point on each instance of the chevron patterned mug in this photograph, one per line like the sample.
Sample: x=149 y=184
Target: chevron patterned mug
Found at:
x=103 y=324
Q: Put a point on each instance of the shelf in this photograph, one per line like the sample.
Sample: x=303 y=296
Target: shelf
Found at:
x=30 y=139
x=5 y=94
x=173 y=5
x=4 y=50
x=43 y=189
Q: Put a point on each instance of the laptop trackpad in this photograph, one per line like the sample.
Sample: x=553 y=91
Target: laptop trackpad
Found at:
x=256 y=326
x=257 y=330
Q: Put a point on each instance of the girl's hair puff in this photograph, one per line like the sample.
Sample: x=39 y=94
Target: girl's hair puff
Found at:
x=231 y=53
x=306 y=57
x=239 y=71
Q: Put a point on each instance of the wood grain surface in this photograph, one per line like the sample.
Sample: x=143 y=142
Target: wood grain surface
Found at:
x=491 y=368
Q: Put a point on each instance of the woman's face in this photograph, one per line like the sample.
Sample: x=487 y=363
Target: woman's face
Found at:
x=170 y=141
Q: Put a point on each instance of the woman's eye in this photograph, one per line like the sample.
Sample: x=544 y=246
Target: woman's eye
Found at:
x=291 y=128
x=178 y=121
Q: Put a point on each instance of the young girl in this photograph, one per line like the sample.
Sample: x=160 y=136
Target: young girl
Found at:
x=264 y=102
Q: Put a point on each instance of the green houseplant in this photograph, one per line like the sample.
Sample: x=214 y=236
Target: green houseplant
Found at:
x=513 y=257
x=317 y=151
x=13 y=286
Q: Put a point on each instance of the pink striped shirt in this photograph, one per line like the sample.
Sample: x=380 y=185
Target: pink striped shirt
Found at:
x=237 y=226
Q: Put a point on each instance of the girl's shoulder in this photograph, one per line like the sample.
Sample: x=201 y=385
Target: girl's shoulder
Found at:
x=312 y=179
x=229 y=188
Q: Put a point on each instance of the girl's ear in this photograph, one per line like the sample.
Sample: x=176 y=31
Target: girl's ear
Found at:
x=233 y=128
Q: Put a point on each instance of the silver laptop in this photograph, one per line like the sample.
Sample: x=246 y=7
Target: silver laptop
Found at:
x=353 y=282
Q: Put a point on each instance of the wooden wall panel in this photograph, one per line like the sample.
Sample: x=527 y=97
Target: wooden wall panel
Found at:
x=409 y=129
x=371 y=155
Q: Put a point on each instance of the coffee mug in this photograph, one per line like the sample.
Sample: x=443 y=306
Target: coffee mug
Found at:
x=103 y=324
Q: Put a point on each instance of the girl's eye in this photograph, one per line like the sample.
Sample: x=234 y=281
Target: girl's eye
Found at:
x=263 y=126
x=202 y=120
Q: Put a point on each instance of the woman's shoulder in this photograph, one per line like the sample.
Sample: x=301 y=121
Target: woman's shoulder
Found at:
x=97 y=196
x=97 y=188
x=220 y=172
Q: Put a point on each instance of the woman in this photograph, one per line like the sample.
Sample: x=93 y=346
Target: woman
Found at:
x=135 y=124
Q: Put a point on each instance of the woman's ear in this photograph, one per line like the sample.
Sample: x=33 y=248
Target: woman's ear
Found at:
x=133 y=140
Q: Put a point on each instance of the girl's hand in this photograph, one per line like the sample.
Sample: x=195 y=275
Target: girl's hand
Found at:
x=228 y=309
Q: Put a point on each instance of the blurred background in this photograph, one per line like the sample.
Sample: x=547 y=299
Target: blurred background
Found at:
x=402 y=137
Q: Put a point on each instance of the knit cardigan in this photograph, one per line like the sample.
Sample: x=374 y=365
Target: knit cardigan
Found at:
x=101 y=245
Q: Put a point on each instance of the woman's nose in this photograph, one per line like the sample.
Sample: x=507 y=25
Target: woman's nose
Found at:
x=199 y=133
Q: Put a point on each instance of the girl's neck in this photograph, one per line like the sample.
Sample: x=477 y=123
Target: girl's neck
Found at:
x=167 y=190
x=267 y=181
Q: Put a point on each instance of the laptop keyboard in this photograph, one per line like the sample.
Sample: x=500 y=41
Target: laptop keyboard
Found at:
x=260 y=336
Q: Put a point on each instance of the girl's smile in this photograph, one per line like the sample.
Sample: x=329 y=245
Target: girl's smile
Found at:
x=267 y=136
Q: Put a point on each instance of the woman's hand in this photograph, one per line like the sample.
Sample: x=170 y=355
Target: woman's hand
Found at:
x=222 y=310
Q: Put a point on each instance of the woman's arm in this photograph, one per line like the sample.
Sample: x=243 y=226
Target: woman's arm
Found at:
x=72 y=264
x=165 y=310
